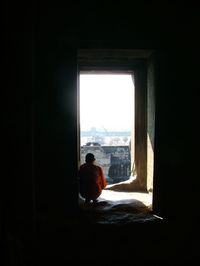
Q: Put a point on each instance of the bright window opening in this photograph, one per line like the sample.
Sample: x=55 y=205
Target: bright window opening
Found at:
x=116 y=108
x=107 y=122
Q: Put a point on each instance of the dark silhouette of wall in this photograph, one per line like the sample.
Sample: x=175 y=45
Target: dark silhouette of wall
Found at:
x=39 y=150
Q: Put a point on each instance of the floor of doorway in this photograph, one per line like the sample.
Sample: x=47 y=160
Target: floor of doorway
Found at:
x=120 y=208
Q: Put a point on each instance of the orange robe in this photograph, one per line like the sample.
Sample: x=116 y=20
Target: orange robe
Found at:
x=91 y=180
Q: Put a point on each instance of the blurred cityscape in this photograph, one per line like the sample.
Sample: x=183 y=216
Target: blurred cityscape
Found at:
x=105 y=137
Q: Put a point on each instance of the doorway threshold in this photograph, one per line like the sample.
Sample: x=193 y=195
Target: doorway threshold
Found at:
x=120 y=208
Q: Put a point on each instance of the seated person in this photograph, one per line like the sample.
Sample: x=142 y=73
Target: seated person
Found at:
x=91 y=179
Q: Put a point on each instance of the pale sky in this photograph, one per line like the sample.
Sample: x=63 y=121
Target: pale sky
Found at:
x=106 y=101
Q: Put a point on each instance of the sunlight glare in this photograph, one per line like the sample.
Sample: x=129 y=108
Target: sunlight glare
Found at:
x=106 y=101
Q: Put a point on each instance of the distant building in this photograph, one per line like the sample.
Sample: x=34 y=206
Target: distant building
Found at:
x=115 y=160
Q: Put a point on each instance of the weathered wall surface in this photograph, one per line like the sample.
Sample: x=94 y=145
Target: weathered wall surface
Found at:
x=150 y=120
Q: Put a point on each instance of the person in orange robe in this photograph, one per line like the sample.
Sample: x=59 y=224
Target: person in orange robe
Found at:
x=91 y=179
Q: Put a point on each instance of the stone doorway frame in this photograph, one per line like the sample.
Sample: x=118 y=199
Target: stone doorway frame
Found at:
x=139 y=63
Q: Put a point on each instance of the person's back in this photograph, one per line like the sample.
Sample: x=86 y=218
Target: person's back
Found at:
x=91 y=179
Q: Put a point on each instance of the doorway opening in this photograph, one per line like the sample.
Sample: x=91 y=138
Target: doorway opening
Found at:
x=107 y=122
x=117 y=125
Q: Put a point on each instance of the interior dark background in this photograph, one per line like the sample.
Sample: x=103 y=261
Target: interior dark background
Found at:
x=39 y=144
